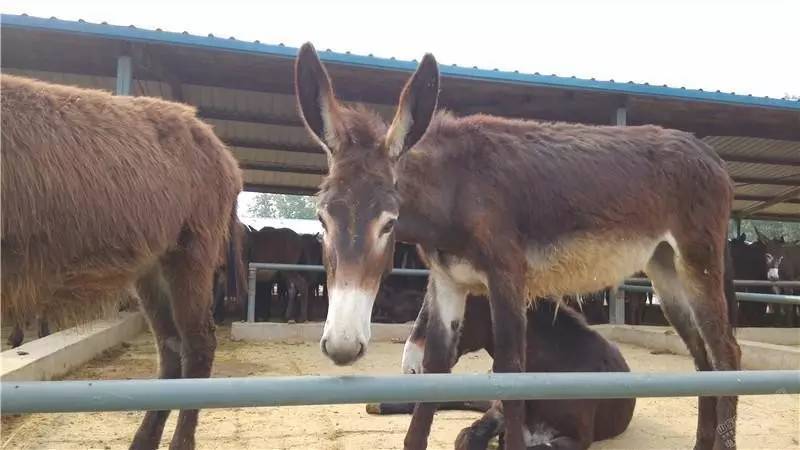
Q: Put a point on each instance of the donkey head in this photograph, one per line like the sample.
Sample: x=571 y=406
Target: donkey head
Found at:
x=358 y=203
x=773 y=266
x=775 y=250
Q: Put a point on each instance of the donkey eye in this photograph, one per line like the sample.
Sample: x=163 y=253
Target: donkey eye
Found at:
x=322 y=222
x=388 y=226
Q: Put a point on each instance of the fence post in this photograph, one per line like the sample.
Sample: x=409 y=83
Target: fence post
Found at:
x=616 y=306
x=251 y=295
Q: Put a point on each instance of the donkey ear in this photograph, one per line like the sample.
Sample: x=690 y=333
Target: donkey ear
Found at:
x=416 y=108
x=318 y=106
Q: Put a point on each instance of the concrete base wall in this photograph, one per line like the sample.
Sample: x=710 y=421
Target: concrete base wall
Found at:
x=759 y=349
x=55 y=355
x=755 y=355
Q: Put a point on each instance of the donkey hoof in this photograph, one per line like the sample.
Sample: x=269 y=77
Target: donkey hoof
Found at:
x=182 y=444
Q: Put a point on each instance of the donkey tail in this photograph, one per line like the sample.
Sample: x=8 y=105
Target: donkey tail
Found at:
x=730 y=289
x=235 y=274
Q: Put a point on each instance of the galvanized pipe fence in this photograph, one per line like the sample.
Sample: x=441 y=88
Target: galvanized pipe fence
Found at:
x=616 y=300
x=136 y=395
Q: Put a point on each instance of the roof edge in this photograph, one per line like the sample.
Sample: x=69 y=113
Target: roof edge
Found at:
x=131 y=33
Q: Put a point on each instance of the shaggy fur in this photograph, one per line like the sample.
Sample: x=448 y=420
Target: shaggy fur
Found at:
x=103 y=195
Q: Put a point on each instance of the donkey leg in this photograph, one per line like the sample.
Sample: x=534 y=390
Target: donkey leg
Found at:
x=154 y=301
x=447 y=302
x=291 y=301
x=191 y=282
x=16 y=337
x=508 y=314
x=696 y=305
x=707 y=299
x=44 y=327
x=304 y=298
x=478 y=435
x=219 y=298
x=677 y=311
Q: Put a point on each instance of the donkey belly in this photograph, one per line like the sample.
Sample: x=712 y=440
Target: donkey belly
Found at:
x=587 y=264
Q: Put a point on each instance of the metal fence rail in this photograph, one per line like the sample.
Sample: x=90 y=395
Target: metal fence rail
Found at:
x=136 y=395
x=741 y=296
x=616 y=309
x=744 y=283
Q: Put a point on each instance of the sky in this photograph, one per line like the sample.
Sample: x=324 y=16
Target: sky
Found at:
x=742 y=46
x=748 y=47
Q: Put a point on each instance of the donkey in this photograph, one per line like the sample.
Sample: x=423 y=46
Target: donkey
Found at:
x=783 y=263
x=230 y=282
x=516 y=210
x=750 y=263
x=104 y=196
x=276 y=245
x=559 y=340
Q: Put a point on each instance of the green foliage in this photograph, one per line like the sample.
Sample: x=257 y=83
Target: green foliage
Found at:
x=774 y=230
x=283 y=206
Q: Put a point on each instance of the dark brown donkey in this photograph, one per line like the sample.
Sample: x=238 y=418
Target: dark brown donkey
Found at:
x=517 y=210
x=558 y=340
x=105 y=195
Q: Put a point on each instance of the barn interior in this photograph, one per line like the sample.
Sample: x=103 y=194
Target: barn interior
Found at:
x=246 y=91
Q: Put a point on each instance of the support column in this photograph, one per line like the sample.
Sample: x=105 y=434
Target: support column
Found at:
x=124 y=75
x=621 y=116
x=616 y=306
x=251 y=295
x=616 y=296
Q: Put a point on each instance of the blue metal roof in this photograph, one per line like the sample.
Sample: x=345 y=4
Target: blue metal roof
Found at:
x=131 y=33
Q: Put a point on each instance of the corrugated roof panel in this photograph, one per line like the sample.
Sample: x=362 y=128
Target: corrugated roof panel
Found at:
x=759 y=189
x=258 y=133
x=233 y=45
x=283 y=179
x=755 y=147
x=782 y=209
x=71 y=79
x=279 y=157
x=738 y=169
x=742 y=204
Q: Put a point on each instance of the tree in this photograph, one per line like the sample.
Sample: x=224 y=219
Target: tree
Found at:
x=283 y=206
x=771 y=229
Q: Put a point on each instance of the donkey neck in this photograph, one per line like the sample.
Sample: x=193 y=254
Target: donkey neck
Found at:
x=425 y=193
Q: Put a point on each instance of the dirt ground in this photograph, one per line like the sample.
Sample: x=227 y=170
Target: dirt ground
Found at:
x=765 y=422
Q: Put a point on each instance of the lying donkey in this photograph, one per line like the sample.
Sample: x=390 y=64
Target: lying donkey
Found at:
x=558 y=340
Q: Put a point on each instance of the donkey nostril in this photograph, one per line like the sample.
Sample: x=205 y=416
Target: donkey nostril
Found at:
x=323 y=345
x=361 y=349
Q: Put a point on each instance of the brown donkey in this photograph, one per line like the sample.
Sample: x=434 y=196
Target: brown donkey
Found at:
x=516 y=210
x=105 y=195
x=558 y=340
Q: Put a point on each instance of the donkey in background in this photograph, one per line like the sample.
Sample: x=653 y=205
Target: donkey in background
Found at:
x=517 y=210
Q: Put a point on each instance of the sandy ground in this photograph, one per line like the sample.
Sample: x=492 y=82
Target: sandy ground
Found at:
x=765 y=422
